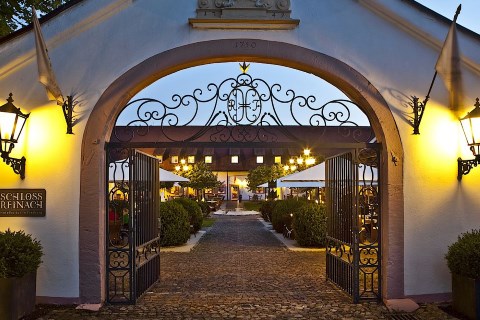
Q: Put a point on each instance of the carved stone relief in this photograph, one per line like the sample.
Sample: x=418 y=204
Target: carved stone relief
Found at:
x=244 y=9
x=269 y=4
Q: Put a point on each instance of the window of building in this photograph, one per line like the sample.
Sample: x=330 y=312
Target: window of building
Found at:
x=208 y=159
x=278 y=159
x=174 y=159
x=191 y=159
x=259 y=159
x=234 y=159
x=160 y=159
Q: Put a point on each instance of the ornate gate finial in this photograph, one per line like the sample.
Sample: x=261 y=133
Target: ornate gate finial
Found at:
x=244 y=67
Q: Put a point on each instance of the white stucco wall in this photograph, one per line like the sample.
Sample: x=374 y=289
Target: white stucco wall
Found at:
x=94 y=42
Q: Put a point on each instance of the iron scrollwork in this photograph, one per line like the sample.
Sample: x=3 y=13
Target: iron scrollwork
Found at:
x=353 y=233
x=368 y=200
x=464 y=166
x=18 y=165
x=240 y=109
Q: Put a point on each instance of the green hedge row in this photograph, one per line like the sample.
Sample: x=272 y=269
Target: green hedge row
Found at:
x=266 y=209
x=283 y=213
x=194 y=210
x=308 y=220
x=175 y=219
x=310 y=225
x=174 y=224
x=205 y=208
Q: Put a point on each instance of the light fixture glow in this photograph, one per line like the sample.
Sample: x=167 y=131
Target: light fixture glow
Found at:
x=471 y=128
x=12 y=121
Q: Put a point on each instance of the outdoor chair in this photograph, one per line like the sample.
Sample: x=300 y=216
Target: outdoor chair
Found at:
x=287 y=233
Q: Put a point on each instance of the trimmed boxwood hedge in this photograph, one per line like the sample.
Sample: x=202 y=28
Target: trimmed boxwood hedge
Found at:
x=174 y=224
x=463 y=256
x=283 y=213
x=194 y=211
x=205 y=208
x=266 y=209
x=310 y=225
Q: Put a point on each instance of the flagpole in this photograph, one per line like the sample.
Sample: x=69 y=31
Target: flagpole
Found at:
x=419 y=107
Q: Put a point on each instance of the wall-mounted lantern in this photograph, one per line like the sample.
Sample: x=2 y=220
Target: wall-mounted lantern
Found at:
x=471 y=128
x=12 y=121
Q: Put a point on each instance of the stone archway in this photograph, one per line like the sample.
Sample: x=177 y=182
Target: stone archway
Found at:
x=102 y=120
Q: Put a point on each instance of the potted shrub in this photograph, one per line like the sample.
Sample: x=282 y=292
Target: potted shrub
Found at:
x=20 y=256
x=463 y=259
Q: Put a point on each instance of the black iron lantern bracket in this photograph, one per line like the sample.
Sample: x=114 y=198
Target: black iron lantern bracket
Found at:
x=464 y=166
x=67 y=109
x=418 y=110
x=419 y=107
x=18 y=165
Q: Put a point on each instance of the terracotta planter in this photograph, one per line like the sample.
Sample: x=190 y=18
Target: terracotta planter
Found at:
x=466 y=296
x=17 y=296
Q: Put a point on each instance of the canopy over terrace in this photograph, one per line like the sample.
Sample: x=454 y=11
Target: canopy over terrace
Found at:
x=120 y=172
x=315 y=177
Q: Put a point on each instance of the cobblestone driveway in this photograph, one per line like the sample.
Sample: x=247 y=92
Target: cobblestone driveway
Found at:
x=239 y=270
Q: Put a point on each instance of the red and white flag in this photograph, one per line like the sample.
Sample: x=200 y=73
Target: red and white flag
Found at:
x=448 y=67
x=45 y=70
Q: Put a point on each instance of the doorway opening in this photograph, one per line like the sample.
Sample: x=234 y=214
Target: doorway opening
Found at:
x=257 y=122
x=102 y=120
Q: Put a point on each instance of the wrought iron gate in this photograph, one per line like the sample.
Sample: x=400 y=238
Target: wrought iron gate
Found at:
x=132 y=252
x=242 y=111
x=354 y=223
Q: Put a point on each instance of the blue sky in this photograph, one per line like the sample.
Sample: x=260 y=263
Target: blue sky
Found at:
x=469 y=16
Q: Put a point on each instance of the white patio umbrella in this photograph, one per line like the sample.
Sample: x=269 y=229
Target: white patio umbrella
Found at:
x=168 y=176
x=315 y=177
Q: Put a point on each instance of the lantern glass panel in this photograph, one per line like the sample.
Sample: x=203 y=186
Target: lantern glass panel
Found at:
x=475 y=130
x=7 y=123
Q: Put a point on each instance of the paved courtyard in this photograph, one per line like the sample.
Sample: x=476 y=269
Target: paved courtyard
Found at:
x=240 y=270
